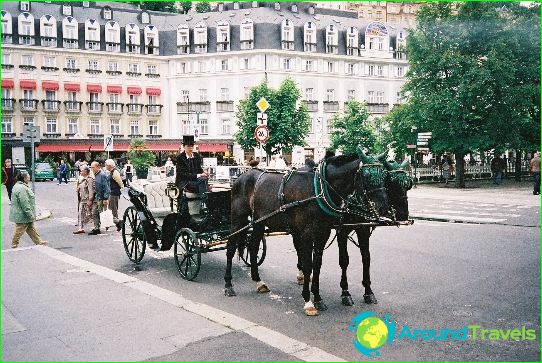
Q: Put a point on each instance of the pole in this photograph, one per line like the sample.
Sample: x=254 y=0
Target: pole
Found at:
x=413 y=130
x=33 y=162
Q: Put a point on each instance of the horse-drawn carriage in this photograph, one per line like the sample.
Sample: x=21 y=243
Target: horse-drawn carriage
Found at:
x=188 y=228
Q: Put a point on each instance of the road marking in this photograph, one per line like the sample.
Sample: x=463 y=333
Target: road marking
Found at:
x=456 y=218
x=270 y=337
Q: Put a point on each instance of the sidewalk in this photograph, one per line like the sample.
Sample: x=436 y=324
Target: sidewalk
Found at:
x=56 y=307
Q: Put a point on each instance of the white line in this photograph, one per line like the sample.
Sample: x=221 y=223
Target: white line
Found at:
x=457 y=218
x=273 y=338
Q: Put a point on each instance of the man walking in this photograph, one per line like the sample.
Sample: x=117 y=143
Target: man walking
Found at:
x=497 y=168
x=101 y=196
x=8 y=177
x=534 y=168
x=62 y=172
x=115 y=183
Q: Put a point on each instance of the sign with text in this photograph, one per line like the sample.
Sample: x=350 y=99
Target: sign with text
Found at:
x=261 y=134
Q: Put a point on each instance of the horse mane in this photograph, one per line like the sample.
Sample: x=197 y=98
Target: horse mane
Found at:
x=341 y=159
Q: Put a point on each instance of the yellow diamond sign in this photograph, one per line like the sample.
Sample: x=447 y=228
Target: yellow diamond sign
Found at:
x=262 y=104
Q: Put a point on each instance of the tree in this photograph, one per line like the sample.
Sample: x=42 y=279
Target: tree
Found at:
x=352 y=129
x=398 y=124
x=166 y=6
x=186 y=6
x=288 y=124
x=458 y=85
x=203 y=7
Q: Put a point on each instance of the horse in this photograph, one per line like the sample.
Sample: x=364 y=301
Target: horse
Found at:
x=307 y=205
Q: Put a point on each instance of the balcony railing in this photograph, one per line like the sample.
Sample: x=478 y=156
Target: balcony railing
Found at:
x=48 y=41
x=152 y=75
x=26 y=39
x=154 y=136
x=378 y=107
x=134 y=108
x=28 y=104
x=7 y=39
x=202 y=106
x=95 y=107
x=50 y=105
x=93 y=71
x=71 y=70
x=7 y=66
x=51 y=135
x=95 y=136
x=114 y=73
x=400 y=55
x=49 y=69
x=115 y=107
x=331 y=106
x=8 y=135
x=133 y=74
x=8 y=104
x=26 y=67
x=312 y=106
x=224 y=106
x=154 y=109
x=72 y=106
x=135 y=136
x=288 y=45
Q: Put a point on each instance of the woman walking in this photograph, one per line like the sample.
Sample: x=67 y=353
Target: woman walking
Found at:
x=85 y=192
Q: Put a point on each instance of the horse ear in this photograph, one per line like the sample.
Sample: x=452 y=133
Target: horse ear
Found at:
x=404 y=164
x=364 y=158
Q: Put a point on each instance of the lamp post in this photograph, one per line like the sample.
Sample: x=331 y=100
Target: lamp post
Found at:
x=413 y=129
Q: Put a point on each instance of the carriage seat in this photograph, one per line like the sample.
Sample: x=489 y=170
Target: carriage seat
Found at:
x=157 y=200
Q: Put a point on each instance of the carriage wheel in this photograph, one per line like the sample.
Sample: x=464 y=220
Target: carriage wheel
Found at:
x=262 y=249
x=186 y=253
x=133 y=236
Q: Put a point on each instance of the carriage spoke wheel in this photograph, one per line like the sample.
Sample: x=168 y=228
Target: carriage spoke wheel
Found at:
x=262 y=249
x=133 y=236
x=186 y=253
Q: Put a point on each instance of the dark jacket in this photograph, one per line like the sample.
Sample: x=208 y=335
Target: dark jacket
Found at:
x=8 y=175
x=102 y=186
x=187 y=170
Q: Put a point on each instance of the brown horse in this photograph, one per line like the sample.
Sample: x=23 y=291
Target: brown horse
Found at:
x=307 y=205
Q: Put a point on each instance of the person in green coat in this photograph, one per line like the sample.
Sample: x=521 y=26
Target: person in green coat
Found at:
x=23 y=211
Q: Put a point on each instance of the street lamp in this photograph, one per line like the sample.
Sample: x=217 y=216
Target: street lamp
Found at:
x=413 y=129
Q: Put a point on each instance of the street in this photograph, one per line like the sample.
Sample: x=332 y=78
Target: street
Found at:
x=435 y=274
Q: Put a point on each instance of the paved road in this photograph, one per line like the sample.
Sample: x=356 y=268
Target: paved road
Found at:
x=431 y=275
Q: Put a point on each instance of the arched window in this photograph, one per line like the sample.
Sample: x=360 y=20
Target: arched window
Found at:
x=112 y=36
x=332 y=39
x=107 y=13
x=183 y=39
x=70 y=32
x=377 y=37
x=48 y=31
x=92 y=34
x=309 y=37
x=152 y=45
x=223 y=36
x=7 y=28
x=132 y=38
x=352 y=41
x=247 y=34
x=200 y=38
x=287 y=34
x=145 y=18
x=26 y=29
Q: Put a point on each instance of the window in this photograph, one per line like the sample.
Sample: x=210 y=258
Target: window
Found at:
x=379 y=14
x=93 y=64
x=370 y=97
x=114 y=126
x=86 y=4
x=182 y=67
x=309 y=65
x=133 y=67
x=310 y=37
x=28 y=120
x=246 y=63
x=379 y=97
x=50 y=95
x=153 y=102
x=222 y=36
x=27 y=60
x=94 y=98
x=286 y=64
x=66 y=10
x=287 y=35
x=6 y=124
x=224 y=94
x=95 y=127
x=330 y=67
x=114 y=100
x=51 y=126
x=309 y=94
x=202 y=95
x=113 y=66
x=70 y=33
x=224 y=65
x=25 y=6
x=185 y=95
x=6 y=58
x=152 y=69
x=6 y=94
x=132 y=39
x=398 y=97
x=351 y=95
x=350 y=69
x=201 y=125
x=28 y=95
x=202 y=66
x=200 y=38
x=186 y=129
x=226 y=126
x=151 y=40
x=73 y=124
x=71 y=105
x=145 y=19
x=371 y=70
x=380 y=70
x=71 y=63
x=72 y=96
x=134 y=104
x=247 y=34
x=330 y=95
x=153 y=127
x=134 y=127
x=108 y=14
x=400 y=70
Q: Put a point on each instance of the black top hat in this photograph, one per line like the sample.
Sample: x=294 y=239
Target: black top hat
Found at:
x=188 y=139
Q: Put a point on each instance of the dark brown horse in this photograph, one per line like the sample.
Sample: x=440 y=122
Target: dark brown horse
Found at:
x=311 y=204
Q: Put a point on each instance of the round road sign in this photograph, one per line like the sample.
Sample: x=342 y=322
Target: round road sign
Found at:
x=261 y=134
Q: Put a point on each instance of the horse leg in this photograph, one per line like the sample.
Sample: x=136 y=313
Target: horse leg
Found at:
x=231 y=247
x=257 y=235
x=315 y=287
x=298 y=249
x=364 y=234
x=344 y=260
x=306 y=252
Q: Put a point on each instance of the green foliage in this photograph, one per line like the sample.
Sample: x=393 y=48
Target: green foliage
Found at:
x=141 y=157
x=166 y=6
x=352 y=129
x=288 y=124
x=203 y=7
x=186 y=6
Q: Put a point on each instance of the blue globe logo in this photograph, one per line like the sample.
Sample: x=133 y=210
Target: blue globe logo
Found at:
x=372 y=333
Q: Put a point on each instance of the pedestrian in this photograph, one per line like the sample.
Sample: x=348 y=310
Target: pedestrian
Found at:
x=85 y=192
x=62 y=172
x=253 y=163
x=273 y=162
x=23 y=211
x=280 y=163
x=100 y=197
x=497 y=168
x=446 y=168
x=8 y=176
x=169 y=167
x=128 y=171
x=115 y=184
x=534 y=168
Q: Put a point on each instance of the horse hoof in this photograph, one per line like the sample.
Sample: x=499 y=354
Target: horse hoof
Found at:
x=309 y=309
x=370 y=299
x=320 y=305
x=262 y=288
x=228 y=291
x=347 y=300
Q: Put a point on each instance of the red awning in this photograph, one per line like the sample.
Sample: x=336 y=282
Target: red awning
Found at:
x=28 y=84
x=94 y=88
x=212 y=148
x=50 y=86
x=8 y=83
x=99 y=147
x=72 y=87
x=134 y=90
x=154 y=91
x=114 y=89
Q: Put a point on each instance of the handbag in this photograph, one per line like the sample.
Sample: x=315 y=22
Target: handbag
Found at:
x=106 y=218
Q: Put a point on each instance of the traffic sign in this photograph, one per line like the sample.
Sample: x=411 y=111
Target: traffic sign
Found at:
x=425 y=134
x=262 y=118
x=261 y=134
x=262 y=104
x=31 y=133
x=108 y=143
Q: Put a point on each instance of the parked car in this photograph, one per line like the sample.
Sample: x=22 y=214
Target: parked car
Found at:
x=44 y=171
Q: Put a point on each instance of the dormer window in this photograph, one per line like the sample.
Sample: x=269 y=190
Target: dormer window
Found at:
x=7 y=28
x=294 y=8
x=311 y=10
x=247 y=34
x=152 y=45
x=24 y=6
x=66 y=9
x=112 y=36
x=183 y=39
x=145 y=18
x=236 y=5
x=92 y=34
x=70 y=33
x=377 y=37
x=287 y=35
x=277 y=6
x=220 y=7
x=223 y=36
x=332 y=39
x=254 y=4
x=309 y=37
x=86 y=4
x=132 y=39
x=48 y=31
x=200 y=38
x=26 y=29
x=352 y=41
x=107 y=13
